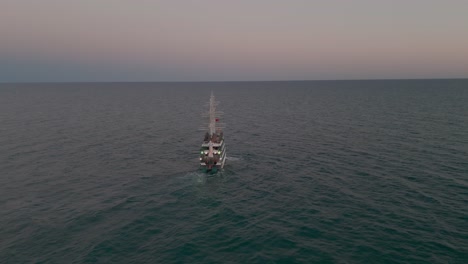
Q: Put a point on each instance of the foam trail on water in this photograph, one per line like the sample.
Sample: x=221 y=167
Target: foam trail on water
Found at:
x=196 y=176
x=230 y=158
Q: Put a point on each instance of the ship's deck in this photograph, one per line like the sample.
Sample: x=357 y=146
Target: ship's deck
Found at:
x=207 y=144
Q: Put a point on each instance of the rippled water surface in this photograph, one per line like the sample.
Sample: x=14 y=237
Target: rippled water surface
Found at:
x=330 y=172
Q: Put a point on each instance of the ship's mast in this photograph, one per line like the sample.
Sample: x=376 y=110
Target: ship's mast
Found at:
x=212 y=124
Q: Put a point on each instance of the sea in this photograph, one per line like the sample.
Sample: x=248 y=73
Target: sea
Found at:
x=317 y=172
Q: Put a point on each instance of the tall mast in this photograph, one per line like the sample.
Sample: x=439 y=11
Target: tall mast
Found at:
x=212 y=124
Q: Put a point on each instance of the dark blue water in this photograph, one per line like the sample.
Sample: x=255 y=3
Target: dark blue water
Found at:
x=329 y=172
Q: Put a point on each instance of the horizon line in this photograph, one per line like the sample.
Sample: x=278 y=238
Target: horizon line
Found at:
x=232 y=81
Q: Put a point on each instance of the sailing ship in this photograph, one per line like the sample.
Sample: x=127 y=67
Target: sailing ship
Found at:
x=213 y=148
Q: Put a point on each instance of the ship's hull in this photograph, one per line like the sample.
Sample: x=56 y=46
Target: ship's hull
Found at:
x=212 y=170
x=215 y=167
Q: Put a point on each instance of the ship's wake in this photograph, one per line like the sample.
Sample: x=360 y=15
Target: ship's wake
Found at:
x=196 y=176
x=231 y=158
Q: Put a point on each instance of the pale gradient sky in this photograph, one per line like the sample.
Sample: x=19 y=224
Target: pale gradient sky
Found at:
x=219 y=40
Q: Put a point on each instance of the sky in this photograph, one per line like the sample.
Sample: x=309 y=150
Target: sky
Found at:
x=232 y=40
